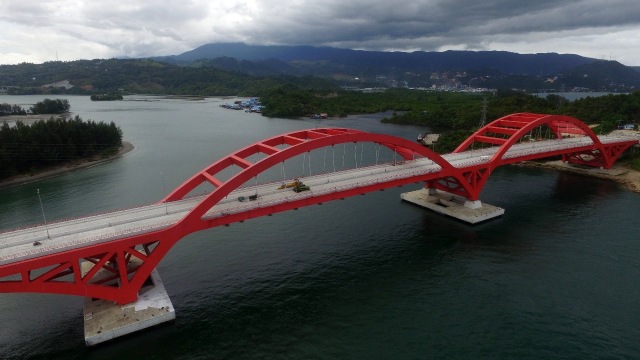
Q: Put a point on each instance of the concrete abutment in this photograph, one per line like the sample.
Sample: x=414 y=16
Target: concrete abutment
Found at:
x=107 y=320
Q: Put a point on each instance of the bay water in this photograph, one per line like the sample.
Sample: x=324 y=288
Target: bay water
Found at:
x=369 y=277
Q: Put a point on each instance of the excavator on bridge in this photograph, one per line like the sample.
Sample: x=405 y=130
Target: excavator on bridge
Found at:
x=297 y=185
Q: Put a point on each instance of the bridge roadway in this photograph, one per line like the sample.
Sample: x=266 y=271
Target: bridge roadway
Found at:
x=17 y=245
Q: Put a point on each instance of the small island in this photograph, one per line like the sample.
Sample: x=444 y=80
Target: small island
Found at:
x=30 y=149
x=106 y=97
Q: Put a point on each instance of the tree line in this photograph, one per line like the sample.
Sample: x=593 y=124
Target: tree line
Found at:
x=28 y=148
x=143 y=76
x=47 y=106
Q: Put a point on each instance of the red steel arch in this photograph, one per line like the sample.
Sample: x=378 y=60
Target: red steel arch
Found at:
x=50 y=273
x=507 y=130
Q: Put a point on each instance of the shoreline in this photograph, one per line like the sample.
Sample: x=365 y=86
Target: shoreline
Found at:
x=64 y=168
x=31 y=118
x=624 y=176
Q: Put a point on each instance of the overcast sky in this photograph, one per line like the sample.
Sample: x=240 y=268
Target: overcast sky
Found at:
x=45 y=30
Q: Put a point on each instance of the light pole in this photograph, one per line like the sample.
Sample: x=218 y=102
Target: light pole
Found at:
x=166 y=209
x=43 y=217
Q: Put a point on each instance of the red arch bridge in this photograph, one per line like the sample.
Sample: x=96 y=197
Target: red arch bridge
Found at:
x=110 y=256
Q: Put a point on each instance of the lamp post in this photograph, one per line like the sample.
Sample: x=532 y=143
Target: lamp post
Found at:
x=166 y=209
x=43 y=217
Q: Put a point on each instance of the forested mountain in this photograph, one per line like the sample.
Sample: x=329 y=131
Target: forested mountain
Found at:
x=448 y=69
x=503 y=61
x=237 y=69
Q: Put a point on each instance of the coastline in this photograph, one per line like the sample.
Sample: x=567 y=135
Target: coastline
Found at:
x=629 y=178
x=61 y=169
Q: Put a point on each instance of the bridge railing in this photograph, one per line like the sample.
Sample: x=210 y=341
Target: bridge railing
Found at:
x=54 y=247
x=73 y=220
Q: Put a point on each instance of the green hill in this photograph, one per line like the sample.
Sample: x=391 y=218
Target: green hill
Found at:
x=140 y=76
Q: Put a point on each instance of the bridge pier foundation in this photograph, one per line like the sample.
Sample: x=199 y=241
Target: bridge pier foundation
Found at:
x=106 y=320
x=452 y=205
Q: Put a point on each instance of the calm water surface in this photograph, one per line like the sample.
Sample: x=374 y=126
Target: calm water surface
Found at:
x=365 y=278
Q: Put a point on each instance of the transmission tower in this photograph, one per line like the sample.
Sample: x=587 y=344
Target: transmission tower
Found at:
x=483 y=120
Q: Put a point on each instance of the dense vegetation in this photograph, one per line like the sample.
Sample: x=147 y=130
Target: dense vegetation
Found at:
x=106 y=97
x=142 y=77
x=47 y=106
x=291 y=101
x=27 y=148
x=455 y=115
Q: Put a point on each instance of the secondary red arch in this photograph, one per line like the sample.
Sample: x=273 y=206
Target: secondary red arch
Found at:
x=507 y=131
x=515 y=126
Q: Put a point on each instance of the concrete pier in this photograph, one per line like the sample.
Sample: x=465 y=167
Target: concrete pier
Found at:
x=452 y=205
x=106 y=320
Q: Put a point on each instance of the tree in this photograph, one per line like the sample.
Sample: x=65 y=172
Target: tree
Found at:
x=6 y=109
x=48 y=106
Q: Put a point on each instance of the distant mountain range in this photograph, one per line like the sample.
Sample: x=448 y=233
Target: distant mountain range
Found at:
x=239 y=69
x=506 y=62
x=418 y=69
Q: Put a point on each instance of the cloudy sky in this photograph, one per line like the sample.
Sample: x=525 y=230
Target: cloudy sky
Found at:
x=45 y=30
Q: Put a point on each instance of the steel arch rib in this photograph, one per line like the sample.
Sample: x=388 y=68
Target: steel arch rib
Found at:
x=529 y=122
x=114 y=255
x=298 y=142
x=555 y=122
x=516 y=126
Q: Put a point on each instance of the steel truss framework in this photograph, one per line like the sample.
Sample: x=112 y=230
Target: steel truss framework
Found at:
x=128 y=262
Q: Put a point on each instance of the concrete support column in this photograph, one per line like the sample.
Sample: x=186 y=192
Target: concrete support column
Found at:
x=475 y=204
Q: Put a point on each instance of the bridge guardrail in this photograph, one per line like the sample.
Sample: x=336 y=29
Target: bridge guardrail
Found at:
x=68 y=245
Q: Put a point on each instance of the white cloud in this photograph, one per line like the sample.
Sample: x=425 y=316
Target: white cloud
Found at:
x=35 y=30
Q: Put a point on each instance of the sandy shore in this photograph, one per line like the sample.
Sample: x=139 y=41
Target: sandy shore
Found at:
x=29 y=119
x=57 y=170
x=618 y=173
